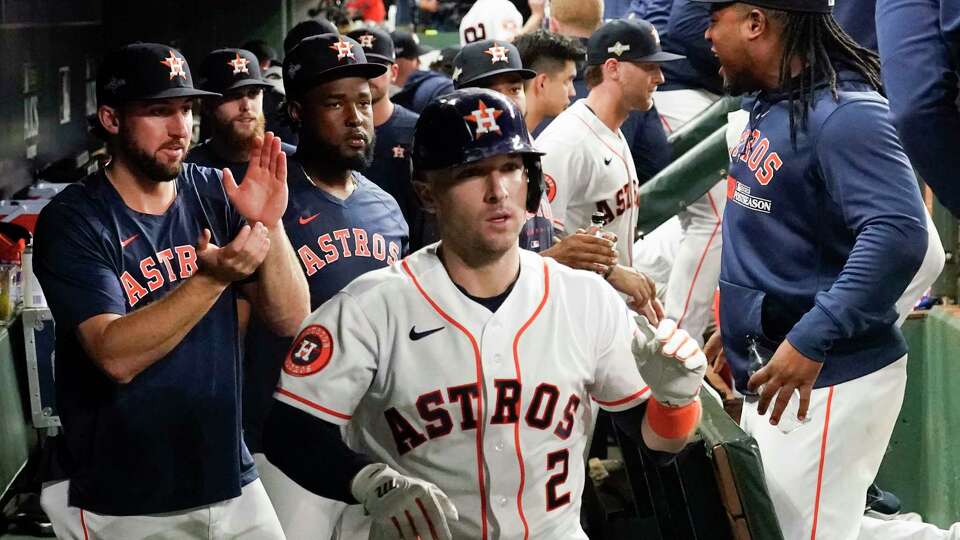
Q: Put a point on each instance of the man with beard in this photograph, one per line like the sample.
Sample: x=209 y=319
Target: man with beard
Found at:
x=235 y=117
x=142 y=263
x=393 y=124
x=820 y=194
x=341 y=225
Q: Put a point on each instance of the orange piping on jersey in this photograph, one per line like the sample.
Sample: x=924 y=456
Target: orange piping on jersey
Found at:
x=83 y=525
x=632 y=218
x=823 y=451
x=480 y=416
x=516 y=427
x=313 y=405
x=703 y=257
x=627 y=399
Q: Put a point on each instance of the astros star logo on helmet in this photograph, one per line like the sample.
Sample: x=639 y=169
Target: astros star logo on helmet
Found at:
x=457 y=72
x=498 y=53
x=239 y=65
x=366 y=41
x=175 y=63
x=485 y=118
x=343 y=49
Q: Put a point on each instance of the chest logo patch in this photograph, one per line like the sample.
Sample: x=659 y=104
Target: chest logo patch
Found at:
x=310 y=353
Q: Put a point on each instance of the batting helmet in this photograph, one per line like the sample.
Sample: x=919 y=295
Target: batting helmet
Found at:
x=472 y=124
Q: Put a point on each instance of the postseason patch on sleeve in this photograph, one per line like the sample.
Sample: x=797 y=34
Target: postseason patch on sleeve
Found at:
x=310 y=353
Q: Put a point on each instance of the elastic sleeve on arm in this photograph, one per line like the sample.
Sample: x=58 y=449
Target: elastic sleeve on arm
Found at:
x=311 y=452
x=867 y=175
x=629 y=422
x=72 y=262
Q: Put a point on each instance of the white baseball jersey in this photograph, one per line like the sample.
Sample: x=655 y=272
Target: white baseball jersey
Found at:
x=588 y=168
x=491 y=407
x=490 y=19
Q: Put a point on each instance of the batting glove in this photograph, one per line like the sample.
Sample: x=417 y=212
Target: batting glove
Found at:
x=402 y=506
x=670 y=362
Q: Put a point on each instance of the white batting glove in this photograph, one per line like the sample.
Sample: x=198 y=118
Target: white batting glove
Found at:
x=670 y=362
x=402 y=506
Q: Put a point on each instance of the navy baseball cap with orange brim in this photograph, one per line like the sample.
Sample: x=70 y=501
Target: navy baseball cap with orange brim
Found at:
x=795 y=6
x=145 y=71
x=319 y=59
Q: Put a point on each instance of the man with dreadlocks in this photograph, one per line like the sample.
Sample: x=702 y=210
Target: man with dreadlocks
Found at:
x=823 y=230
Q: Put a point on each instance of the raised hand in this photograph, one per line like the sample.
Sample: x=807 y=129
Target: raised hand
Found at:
x=670 y=362
x=238 y=259
x=262 y=196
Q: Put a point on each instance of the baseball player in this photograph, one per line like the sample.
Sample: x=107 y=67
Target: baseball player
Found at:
x=236 y=116
x=497 y=66
x=820 y=194
x=415 y=87
x=141 y=264
x=588 y=165
x=341 y=226
x=393 y=124
x=553 y=57
x=491 y=19
x=919 y=45
x=464 y=414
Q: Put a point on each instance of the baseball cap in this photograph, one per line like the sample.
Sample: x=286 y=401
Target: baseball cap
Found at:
x=224 y=70
x=318 y=59
x=627 y=40
x=486 y=58
x=408 y=45
x=377 y=44
x=145 y=71
x=305 y=29
x=800 y=6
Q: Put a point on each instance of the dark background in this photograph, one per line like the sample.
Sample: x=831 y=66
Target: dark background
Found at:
x=40 y=37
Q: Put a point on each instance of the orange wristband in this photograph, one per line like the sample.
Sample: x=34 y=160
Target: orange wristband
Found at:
x=673 y=422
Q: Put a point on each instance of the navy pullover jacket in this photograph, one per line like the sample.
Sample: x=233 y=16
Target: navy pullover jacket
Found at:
x=821 y=239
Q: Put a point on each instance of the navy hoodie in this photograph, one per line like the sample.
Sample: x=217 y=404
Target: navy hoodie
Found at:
x=820 y=239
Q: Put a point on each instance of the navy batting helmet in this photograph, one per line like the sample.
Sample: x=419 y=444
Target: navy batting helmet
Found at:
x=472 y=124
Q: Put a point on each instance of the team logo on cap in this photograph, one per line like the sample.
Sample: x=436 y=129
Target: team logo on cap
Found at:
x=399 y=152
x=366 y=41
x=343 y=49
x=485 y=118
x=293 y=69
x=618 y=48
x=310 y=353
x=457 y=72
x=175 y=63
x=498 y=53
x=239 y=65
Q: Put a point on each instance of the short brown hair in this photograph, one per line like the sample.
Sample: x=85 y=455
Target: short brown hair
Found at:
x=586 y=15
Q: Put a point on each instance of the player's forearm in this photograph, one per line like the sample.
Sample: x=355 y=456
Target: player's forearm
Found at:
x=129 y=344
x=283 y=297
x=296 y=442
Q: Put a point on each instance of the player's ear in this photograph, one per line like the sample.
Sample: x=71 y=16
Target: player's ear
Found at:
x=109 y=118
x=294 y=111
x=540 y=81
x=394 y=71
x=424 y=190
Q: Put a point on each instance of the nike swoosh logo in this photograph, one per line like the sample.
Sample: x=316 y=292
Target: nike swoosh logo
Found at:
x=606 y=161
x=125 y=243
x=305 y=220
x=414 y=335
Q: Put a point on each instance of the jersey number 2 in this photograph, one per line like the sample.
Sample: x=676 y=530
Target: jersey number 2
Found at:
x=474 y=33
x=561 y=458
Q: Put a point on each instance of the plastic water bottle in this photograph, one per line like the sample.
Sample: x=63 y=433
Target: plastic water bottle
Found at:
x=596 y=224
